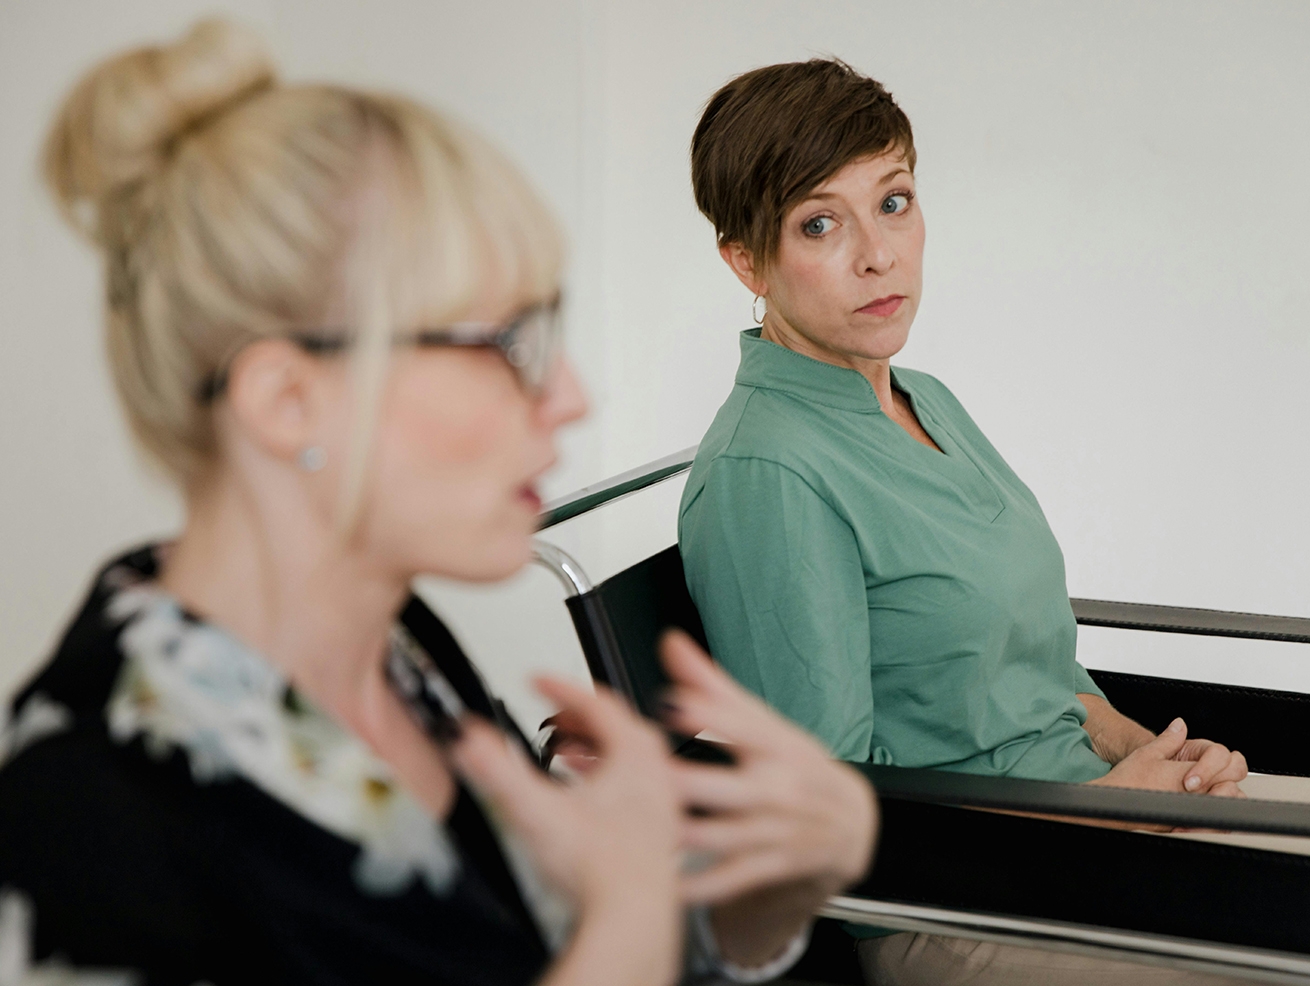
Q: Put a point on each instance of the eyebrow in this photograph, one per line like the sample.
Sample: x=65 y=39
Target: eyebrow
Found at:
x=885 y=179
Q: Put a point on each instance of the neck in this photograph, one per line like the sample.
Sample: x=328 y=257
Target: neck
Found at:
x=877 y=371
x=272 y=570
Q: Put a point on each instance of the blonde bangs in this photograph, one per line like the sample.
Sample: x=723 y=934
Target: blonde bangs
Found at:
x=468 y=230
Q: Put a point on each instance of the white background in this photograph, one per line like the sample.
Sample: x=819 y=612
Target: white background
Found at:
x=1118 y=212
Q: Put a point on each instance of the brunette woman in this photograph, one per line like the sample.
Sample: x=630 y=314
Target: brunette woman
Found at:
x=861 y=555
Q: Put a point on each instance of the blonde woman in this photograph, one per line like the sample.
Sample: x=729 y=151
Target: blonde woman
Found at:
x=332 y=317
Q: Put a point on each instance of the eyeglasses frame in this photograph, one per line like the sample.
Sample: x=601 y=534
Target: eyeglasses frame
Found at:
x=462 y=335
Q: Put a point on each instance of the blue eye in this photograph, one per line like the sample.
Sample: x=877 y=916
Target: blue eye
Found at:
x=895 y=204
x=818 y=225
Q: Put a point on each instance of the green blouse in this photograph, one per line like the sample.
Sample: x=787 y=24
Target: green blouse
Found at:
x=906 y=605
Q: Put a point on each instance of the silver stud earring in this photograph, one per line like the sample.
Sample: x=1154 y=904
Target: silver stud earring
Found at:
x=313 y=458
x=755 y=312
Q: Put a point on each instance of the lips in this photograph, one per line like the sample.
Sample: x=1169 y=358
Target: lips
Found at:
x=530 y=498
x=527 y=493
x=882 y=307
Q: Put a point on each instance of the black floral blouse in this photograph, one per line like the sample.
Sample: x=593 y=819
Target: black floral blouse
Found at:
x=170 y=806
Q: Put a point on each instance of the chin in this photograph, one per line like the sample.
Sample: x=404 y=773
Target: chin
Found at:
x=498 y=562
x=883 y=343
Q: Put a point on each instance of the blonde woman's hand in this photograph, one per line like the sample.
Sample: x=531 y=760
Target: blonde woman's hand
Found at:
x=609 y=840
x=785 y=826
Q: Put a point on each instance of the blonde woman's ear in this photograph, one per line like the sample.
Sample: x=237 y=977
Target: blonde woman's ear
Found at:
x=276 y=395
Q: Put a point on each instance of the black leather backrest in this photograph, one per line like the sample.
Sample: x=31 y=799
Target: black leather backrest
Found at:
x=621 y=620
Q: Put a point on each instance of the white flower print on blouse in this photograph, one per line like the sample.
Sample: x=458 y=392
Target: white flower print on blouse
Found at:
x=39 y=718
x=190 y=686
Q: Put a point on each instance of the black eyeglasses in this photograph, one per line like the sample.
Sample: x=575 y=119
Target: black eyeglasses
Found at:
x=530 y=343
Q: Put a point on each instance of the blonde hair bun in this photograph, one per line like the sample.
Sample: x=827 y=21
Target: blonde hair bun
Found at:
x=228 y=209
x=119 y=124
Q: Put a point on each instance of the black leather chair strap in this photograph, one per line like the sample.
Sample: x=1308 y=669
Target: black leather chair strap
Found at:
x=1086 y=801
x=1186 y=619
x=1003 y=864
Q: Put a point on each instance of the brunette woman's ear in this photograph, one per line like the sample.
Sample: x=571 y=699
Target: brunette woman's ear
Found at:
x=742 y=262
x=271 y=394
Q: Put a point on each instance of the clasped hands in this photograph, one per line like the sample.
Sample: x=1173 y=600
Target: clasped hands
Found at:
x=1168 y=762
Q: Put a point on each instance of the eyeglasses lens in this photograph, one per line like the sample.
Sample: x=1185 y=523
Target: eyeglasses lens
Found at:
x=531 y=346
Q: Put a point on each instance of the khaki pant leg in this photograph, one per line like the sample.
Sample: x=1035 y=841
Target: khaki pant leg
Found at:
x=1263 y=787
x=1276 y=787
x=909 y=959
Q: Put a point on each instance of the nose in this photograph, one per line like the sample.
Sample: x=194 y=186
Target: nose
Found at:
x=563 y=399
x=875 y=255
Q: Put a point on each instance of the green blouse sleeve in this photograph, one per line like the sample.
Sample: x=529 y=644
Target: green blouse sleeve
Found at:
x=1082 y=682
x=777 y=577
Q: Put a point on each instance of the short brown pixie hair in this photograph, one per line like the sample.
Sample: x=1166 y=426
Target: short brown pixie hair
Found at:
x=772 y=135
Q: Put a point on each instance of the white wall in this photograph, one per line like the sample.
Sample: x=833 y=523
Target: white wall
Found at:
x=1119 y=228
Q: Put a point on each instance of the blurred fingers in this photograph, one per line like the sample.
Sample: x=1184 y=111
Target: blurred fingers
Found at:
x=687 y=664
x=600 y=718
x=568 y=739
x=581 y=764
x=733 y=876
x=501 y=772
x=704 y=697
x=719 y=789
x=567 y=723
x=734 y=834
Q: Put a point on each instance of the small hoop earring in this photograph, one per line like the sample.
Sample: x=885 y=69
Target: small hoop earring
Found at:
x=313 y=458
x=759 y=316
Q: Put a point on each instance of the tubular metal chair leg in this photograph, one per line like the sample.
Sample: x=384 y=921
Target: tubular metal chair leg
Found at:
x=562 y=565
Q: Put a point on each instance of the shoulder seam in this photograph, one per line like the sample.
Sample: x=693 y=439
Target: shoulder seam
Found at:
x=785 y=468
x=684 y=507
x=737 y=424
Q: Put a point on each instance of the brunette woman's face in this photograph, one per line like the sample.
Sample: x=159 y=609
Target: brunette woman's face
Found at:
x=846 y=281
x=458 y=450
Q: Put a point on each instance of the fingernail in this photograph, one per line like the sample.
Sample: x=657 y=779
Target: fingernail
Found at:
x=1177 y=726
x=1192 y=783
